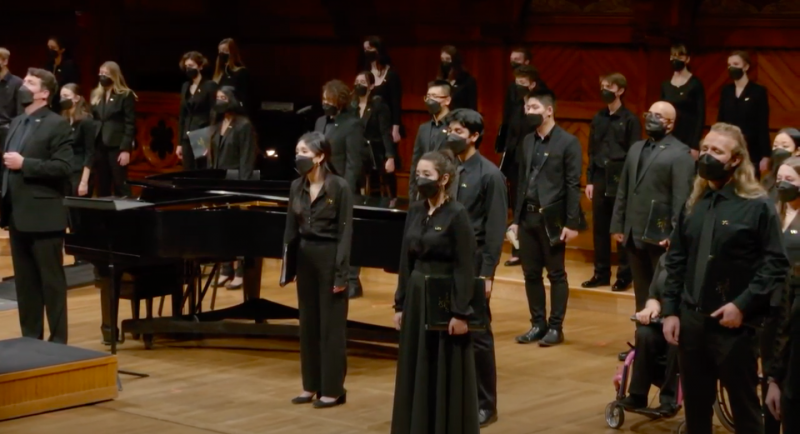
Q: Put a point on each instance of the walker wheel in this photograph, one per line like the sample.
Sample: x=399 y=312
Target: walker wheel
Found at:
x=615 y=415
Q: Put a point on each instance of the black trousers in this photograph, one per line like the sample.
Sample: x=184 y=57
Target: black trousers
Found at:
x=790 y=413
x=111 y=176
x=188 y=161
x=485 y=362
x=40 y=283
x=766 y=347
x=511 y=170
x=656 y=362
x=709 y=352
x=3 y=135
x=536 y=254
x=643 y=263
x=323 y=319
x=602 y=210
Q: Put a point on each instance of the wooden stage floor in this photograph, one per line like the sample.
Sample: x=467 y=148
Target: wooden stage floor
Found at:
x=244 y=386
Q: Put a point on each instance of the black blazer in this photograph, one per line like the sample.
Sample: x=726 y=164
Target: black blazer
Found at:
x=117 y=120
x=749 y=112
x=347 y=145
x=464 y=92
x=237 y=149
x=196 y=109
x=666 y=177
x=84 y=138
x=377 y=121
x=37 y=189
x=559 y=176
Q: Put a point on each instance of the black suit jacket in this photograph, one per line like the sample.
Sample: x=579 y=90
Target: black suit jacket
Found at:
x=237 y=150
x=347 y=145
x=117 y=120
x=84 y=138
x=666 y=177
x=196 y=109
x=559 y=176
x=36 y=191
x=377 y=121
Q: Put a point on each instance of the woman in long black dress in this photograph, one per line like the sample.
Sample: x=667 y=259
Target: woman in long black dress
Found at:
x=320 y=221
x=464 y=93
x=77 y=111
x=197 y=99
x=686 y=93
x=377 y=120
x=436 y=385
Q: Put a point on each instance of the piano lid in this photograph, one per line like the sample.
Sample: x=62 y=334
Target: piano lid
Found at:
x=367 y=203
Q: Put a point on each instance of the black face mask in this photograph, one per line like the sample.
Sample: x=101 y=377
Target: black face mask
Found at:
x=607 y=96
x=515 y=65
x=787 y=192
x=223 y=58
x=66 y=103
x=371 y=56
x=678 y=65
x=330 y=110
x=222 y=106
x=779 y=156
x=192 y=73
x=655 y=129
x=434 y=108
x=106 y=81
x=361 y=90
x=735 y=73
x=446 y=67
x=303 y=164
x=533 y=121
x=711 y=169
x=428 y=188
x=522 y=91
x=457 y=144
x=24 y=96
x=52 y=54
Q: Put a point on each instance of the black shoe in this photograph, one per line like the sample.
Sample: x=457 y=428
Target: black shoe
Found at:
x=304 y=399
x=595 y=281
x=354 y=289
x=621 y=285
x=513 y=262
x=486 y=417
x=552 y=338
x=634 y=402
x=533 y=335
x=339 y=401
x=623 y=355
x=667 y=410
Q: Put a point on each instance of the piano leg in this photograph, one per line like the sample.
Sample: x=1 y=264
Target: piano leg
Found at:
x=104 y=285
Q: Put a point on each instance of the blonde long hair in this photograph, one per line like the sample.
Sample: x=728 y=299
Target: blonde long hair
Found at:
x=234 y=59
x=119 y=85
x=744 y=177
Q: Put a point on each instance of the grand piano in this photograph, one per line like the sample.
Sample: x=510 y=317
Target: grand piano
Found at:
x=186 y=221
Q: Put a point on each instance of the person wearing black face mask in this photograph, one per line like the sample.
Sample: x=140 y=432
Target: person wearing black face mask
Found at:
x=380 y=152
x=60 y=63
x=745 y=104
x=321 y=246
x=725 y=262
x=686 y=93
x=229 y=70
x=785 y=145
x=431 y=136
x=198 y=96
x=613 y=131
x=387 y=82
x=464 y=88
x=655 y=182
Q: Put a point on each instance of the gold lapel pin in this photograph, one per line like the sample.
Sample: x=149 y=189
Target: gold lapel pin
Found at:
x=437 y=228
x=747 y=99
x=464 y=185
x=662 y=146
x=724 y=223
x=330 y=201
x=793 y=231
x=546 y=154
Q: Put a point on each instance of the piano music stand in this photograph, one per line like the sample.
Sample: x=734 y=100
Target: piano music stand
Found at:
x=110 y=206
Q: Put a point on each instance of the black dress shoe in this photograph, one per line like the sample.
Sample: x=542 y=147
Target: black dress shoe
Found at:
x=486 y=417
x=322 y=404
x=667 y=410
x=533 y=335
x=552 y=338
x=633 y=402
x=304 y=399
x=621 y=285
x=513 y=262
x=595 y=281
x=354 y=289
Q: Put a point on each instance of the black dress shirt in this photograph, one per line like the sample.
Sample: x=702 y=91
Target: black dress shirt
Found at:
x=746 y=261
x=689 y=101
x=464 y=92
x=329 y=217
x=443 y=237
x=610 y=137
x=9 y=105
x=540 y=150
x=482 y=191
x=750 y=112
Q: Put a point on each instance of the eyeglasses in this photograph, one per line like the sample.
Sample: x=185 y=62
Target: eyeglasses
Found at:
x=436 y=97
x=655 y=115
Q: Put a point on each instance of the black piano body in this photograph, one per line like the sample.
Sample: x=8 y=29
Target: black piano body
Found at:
x=186 y=219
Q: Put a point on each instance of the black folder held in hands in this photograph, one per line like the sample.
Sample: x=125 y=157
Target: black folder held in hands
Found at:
x=555 y=216
x=289 y=263
x=438 y=290
x=200 y=141
x=659 y=223
x=613 y=174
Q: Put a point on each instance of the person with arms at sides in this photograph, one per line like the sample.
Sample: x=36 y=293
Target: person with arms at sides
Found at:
x=436 y=388
x=745 y=104
x=345 y=132
x=229 y=70
x=784 y=146
x=9 y=104
x=431 y=136
x=514 y=129
x=387 y=81
x=613 y=131
x=550 y=173
x=482 y=192
x=464 y=88
x=657 y=174
x=724 y=261
x=77 y=111
x=376 y=117
x=114 y=109
x=320 y=221
x=198 y=96
x=782 y=369
x=686 y=93
x=60 y=63
x=36 y=170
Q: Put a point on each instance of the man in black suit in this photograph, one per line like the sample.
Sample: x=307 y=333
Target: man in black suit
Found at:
x=344 y=130
x=549 y=197
x=657 y=173
x=36 y=160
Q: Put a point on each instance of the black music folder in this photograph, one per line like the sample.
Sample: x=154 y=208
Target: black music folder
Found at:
x=659 y=223
x=289 y=263
x=437 y=304
x=554 y=218
x=613 y=174
x=200 y=140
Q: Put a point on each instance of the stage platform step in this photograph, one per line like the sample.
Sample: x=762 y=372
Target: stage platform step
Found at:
x=38 y=377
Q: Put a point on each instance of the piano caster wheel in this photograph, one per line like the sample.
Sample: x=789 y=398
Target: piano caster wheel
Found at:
x=148 y=342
